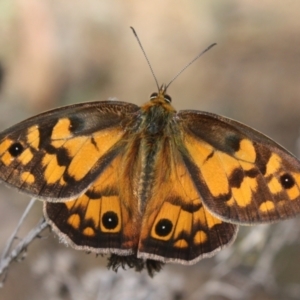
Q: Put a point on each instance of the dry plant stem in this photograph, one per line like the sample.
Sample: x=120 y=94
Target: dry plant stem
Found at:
x=10 y=254
x=262 y=274
x=14 y=234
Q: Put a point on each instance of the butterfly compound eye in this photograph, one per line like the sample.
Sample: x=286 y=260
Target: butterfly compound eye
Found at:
x=153 y=96
x=15 y=149
x=168 y=98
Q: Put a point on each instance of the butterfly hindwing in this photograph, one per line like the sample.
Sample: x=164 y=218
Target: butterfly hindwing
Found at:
x=58 y=154
x=176 y=227
x=243 y=176
x=104 y=219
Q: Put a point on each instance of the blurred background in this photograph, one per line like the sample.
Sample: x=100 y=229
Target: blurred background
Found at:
x=54 y=53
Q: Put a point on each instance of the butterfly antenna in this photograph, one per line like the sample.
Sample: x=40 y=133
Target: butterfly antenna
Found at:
x=148 y=62
x=182 y=70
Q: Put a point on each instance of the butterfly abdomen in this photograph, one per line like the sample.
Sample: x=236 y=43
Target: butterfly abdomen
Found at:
x=154 y=133
x=149 y=148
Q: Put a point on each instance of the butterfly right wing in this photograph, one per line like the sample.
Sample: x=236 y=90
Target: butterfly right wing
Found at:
x=58 y=154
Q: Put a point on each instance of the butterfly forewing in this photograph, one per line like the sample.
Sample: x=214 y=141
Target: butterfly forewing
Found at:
x=58 y=154
x=242 y=175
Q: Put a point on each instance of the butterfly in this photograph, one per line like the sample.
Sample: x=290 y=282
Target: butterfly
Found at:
x=149 y=185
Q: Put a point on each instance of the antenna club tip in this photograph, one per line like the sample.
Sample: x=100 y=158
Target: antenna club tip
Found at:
x=210 y=46
x=133 y=30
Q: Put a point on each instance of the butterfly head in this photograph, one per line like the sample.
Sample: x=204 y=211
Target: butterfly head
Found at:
x=161 y=95
x=159 y=106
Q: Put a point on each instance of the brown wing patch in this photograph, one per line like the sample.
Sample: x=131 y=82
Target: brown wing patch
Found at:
x=176 y=226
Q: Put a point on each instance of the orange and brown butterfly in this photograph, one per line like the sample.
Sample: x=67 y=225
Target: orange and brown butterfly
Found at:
x=149 y=184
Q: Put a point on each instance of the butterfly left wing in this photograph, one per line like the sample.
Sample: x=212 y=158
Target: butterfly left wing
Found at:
x=58 y=154
x=243 y=176
x=176 y=226
x=105 y=218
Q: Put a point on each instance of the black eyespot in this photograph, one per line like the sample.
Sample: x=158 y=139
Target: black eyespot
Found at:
x=168 y=98
x=163 y=227
x=287 y=181
x=15 y=149
x=110 y=220
x=153 y=96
